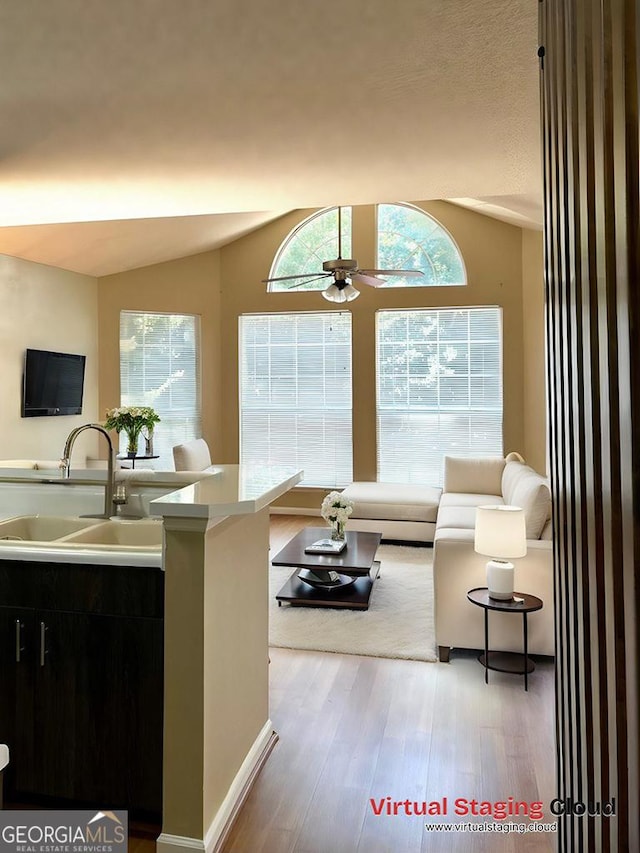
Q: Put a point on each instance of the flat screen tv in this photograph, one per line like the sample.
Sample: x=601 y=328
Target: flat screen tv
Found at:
x=53 y=383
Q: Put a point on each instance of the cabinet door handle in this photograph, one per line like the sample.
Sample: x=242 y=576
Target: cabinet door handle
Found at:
x=19 y=646
x=43 y=643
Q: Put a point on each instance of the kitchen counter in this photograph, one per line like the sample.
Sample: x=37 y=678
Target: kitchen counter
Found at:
x=235 y=490
x=97 y=476
x=70 y=555
x=223 y=490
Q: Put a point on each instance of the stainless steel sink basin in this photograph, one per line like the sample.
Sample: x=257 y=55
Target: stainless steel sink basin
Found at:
x=41 y=528
x=121 y=534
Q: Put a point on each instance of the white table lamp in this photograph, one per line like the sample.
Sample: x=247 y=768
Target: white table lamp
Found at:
x=500 y=534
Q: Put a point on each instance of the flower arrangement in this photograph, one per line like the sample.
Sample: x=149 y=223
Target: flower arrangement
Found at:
x=336 y=510
x=132 y=420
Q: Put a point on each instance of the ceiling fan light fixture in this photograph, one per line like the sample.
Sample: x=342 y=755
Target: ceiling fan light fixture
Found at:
x=350 y=292
x=334 y=294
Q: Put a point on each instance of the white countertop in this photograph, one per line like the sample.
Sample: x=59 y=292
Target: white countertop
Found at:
x=31 y=552
x=237 y=490
x=97 y=476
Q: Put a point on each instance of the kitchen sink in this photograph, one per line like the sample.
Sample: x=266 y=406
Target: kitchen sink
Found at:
x=41 y=528
x=123 y=534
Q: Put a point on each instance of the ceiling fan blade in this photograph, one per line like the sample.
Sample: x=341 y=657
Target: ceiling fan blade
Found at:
x=406 y=273
x=290 y=277
x=361 y=278
x=308 y=281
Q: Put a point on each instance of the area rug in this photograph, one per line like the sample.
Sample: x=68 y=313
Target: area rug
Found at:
x=398 y=624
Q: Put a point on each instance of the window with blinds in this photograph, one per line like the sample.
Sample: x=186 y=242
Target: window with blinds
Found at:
x=295 y=394
x=439 y=390
x=159 y=367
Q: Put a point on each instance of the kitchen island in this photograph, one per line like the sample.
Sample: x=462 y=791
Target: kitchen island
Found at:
x=217 y=731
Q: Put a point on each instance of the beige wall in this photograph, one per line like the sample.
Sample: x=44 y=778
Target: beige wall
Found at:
x=504 y=267
x=45 y=308
x=184 y=286
x=534 y=404
x=492 y=252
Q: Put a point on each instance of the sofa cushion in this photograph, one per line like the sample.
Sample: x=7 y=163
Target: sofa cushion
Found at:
x=393 y=501
x=479 y=475
x=524 y=487
x=458 y=499
x=455 y=534
x=457 y=516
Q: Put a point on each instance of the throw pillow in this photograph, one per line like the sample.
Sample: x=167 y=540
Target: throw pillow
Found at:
x=480 y=475
x=513 y=470
x=531 y=492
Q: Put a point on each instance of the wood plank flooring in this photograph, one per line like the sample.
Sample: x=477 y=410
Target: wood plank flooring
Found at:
x=354 y=728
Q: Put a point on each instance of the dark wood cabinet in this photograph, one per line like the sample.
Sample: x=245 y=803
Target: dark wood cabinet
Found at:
x=81 y=709
x=17 y=680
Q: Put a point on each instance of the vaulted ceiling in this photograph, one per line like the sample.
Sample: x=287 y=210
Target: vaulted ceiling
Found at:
x=133 y=132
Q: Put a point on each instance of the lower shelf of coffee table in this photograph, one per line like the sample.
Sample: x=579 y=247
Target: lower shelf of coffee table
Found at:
x=354 y=596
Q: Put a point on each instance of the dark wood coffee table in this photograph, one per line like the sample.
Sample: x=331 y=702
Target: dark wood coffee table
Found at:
x=356 y=565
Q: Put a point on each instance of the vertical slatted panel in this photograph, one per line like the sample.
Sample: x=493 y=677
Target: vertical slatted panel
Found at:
x=590 y=131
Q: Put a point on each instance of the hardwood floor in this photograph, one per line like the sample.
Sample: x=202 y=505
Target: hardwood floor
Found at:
x=354 y=728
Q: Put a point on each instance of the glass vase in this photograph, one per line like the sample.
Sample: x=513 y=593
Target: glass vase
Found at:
x=132 y=444
x=337 y=531
x=148 y=445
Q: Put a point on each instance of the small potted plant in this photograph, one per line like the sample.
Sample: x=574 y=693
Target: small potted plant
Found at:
x=132 y=420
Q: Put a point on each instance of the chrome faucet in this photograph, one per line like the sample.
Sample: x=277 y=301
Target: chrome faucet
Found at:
x=65 y=464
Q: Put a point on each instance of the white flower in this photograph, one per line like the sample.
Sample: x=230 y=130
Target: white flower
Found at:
x=336 y=509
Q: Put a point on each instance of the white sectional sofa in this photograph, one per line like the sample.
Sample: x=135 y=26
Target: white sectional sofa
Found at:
x=398 y=511
x=470 y=483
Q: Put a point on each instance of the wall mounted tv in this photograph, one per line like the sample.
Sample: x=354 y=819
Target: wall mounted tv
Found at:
x=53 y=383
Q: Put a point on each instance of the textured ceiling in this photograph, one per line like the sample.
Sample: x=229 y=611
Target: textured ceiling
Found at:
x=155 y=108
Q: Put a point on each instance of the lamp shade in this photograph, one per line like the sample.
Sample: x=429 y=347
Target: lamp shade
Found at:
x=500 y=532
x=334 y=294
x=350 y=292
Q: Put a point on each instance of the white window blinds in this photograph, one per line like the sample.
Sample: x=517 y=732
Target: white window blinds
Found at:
x=439 y=390
x=295 y=394
x=159 y=367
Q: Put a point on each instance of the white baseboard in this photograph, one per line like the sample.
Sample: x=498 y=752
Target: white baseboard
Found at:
x=217 y=832
x=293 y=510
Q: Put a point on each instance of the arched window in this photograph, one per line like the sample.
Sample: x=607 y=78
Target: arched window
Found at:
x=313 y=241
x=408 y=238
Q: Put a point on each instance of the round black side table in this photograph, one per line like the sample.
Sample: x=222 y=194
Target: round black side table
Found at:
x=518 y=664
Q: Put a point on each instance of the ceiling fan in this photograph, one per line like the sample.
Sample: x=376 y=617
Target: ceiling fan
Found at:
x=345 y=272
